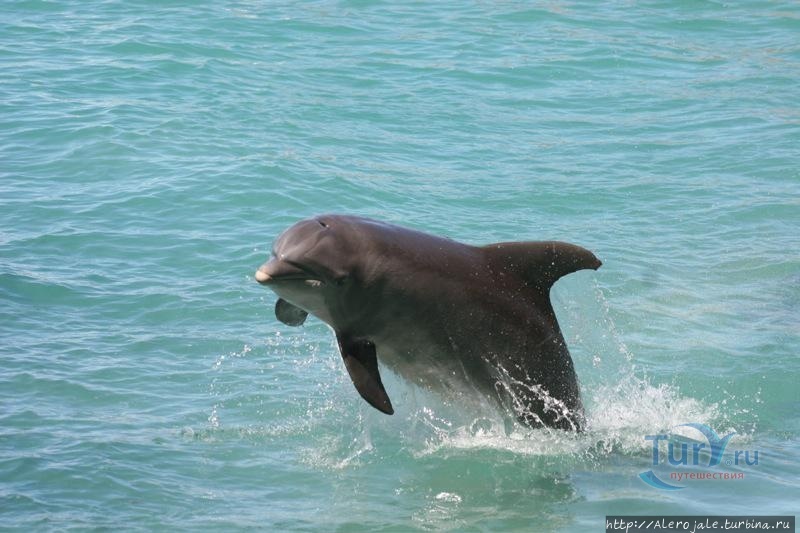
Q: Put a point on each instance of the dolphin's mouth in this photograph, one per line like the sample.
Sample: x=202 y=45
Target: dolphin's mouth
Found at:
x=278 y=270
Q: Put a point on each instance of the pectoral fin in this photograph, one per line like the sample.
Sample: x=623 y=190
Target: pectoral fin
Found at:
x=289 y=314
x=362 y=365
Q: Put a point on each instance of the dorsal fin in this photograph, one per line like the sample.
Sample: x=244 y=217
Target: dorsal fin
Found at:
x=539 y=263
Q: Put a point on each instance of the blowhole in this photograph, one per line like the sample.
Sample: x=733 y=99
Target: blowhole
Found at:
x=322 y=223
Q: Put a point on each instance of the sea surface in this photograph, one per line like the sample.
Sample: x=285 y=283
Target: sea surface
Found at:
x=151 y=151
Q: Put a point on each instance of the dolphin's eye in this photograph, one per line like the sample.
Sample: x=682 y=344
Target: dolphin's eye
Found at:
x=322 y=223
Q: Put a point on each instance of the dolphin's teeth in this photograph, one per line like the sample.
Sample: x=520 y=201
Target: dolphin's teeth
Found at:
x=313 y=282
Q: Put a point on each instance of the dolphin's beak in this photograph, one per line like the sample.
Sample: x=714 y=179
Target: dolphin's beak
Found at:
x=262 y=276
x=277 y=270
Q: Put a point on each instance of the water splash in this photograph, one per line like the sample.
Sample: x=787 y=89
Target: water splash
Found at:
x=622 y=403
x=317 y=410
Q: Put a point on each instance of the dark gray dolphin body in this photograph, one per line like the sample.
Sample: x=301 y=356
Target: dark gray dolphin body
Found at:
x=442 y=314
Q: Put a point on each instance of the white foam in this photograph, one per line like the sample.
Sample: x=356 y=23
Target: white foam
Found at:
x=622 y=403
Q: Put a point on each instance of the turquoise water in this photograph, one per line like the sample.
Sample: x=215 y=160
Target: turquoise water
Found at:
x=150 y=152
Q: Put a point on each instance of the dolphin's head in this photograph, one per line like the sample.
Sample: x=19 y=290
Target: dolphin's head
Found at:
x=312 y=265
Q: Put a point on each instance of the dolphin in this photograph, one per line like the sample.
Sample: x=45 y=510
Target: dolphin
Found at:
x=441 y=314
